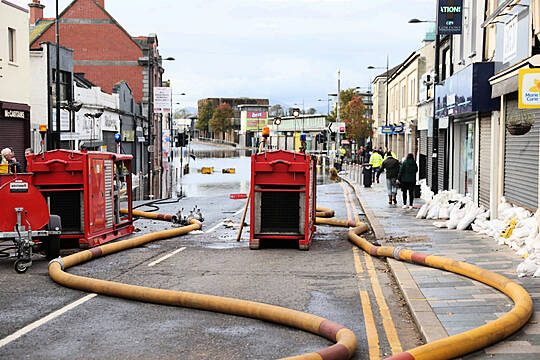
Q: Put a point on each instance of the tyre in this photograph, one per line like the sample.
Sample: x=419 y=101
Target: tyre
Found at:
x=21 y=266
x=52 y=243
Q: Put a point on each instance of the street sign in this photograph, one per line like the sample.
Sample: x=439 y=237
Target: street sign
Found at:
x=398 y=129
x=337 y=127
x=238 y=196
x=386 y=130
x=162 y=100
x=529 y=89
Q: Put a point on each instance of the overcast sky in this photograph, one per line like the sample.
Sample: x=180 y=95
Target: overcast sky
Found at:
x=284 y=50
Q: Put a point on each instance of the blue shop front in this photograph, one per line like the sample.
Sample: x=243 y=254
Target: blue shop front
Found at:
x=463 y=109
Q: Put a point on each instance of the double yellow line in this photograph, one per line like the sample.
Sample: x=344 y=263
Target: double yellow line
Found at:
x=388 y=323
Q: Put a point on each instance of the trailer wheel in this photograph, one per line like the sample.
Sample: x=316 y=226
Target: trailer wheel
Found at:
x=21 y=266
x=52 y=243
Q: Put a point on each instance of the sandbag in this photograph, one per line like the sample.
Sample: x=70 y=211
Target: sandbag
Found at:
x=422 y=213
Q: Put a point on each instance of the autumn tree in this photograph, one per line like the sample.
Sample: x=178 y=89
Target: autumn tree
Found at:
x=205 y=115
x=357 y=125
x=221 y=121
x=345 y=98
x=276 y=110
x=311 y=111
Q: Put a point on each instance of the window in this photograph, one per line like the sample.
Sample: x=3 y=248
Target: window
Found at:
x=65 y=86
x=11 y=45
x=403 y=95
x=413 y=92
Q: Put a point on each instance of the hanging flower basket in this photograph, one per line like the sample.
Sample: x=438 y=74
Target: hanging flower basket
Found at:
x=520 y=123
x=518 y=129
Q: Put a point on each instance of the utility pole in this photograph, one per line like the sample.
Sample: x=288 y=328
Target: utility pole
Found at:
x=56 y=142
x=150 y=125
x=387 y=85
x=338 y=119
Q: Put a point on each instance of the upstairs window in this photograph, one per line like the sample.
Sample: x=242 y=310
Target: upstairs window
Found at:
x=11 y=45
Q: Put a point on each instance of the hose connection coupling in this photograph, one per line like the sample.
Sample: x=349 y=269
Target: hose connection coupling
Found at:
x=396 y=252
x=184 y=220
x=58 y=260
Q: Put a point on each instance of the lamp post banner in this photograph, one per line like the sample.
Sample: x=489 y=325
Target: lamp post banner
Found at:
x=450 y=17
x=162 y=100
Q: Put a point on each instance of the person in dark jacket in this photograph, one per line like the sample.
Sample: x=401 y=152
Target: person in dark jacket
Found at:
x=407 y=179
x=391 y=166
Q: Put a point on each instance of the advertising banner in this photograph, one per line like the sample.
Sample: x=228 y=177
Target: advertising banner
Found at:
x=450 y=17
x=256 y=120
x=162 y=100
x=529 y=89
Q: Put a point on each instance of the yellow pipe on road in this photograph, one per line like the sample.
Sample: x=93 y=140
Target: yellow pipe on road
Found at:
x=345 y=340
x=149 y=215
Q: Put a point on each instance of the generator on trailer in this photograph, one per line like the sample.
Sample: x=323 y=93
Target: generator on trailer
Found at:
x=83 y=189
x=283 y=193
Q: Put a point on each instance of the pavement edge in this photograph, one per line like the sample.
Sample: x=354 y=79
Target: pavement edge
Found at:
x=425 y=318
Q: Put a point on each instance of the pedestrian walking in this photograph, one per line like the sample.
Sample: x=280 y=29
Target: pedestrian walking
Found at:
x=391 y=166
x=407 y=180
x=375 y=161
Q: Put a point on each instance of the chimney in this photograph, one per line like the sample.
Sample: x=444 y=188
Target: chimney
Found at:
x=101 y=2
x=36 y=11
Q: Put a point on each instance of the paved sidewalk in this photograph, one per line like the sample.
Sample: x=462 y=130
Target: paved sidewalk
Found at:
x=444 y=303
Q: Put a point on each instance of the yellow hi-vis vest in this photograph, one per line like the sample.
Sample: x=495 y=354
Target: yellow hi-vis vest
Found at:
x=376 y=160
x=391 y=153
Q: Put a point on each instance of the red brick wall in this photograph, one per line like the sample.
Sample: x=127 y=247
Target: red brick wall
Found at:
x=99 y=42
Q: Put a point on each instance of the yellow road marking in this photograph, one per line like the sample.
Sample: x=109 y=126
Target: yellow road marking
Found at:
x=357 y=263
x=371 y=329
x=354 y=209
x=388 y=323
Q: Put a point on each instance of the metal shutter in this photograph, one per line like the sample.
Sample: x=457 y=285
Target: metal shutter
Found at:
x=442 y=176
x=484 y=168
x=429 y=161
x=423 y=142
x=521 y=163
x=12 y=135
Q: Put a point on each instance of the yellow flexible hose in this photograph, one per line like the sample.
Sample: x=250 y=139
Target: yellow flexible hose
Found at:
x=149 y=215
x=345 y=340
x=324 y=212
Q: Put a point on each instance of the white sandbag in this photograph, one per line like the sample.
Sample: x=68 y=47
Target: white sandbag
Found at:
x=422 y=213
x=470 y=216
x=526 y=268
x=444 y=212
x=454 y=220
x=433 y=212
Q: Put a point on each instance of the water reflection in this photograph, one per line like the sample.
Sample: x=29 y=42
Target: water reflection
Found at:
x=195 y=183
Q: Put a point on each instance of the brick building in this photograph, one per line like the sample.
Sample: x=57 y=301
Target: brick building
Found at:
x=107 y=54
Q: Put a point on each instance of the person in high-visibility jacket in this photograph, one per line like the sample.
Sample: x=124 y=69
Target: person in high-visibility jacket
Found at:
x=389 y=153
x=375 y=161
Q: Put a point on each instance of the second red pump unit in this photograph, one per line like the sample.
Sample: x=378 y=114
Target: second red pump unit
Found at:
x=283 y=193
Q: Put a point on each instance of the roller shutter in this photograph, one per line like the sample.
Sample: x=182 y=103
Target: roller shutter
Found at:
x=429 y=161
x=13 y=135
x=484 y=168
x=441 y=161
x=423 y=142
x=521 y=162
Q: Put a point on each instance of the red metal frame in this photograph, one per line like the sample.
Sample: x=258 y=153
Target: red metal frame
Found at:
x=281 y=168
x=72 y=171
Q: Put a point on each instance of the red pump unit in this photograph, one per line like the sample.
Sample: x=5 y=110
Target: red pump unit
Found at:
x=283 y=193
x=84 y=189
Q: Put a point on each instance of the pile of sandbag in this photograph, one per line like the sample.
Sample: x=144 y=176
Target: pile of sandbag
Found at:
x=458 y=211
x=515 y=227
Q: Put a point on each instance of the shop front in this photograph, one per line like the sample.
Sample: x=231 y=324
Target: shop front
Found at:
x=15 y=128
x=462 y=101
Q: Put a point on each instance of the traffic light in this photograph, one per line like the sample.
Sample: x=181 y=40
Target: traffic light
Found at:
x=182 y=140
x=332 y=136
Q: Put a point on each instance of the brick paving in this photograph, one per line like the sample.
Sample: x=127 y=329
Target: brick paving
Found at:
x=444 y=303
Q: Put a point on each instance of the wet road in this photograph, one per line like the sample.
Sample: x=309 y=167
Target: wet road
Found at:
x=332 y=280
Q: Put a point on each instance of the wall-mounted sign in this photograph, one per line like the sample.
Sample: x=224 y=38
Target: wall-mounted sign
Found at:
x=128 y=135
x=14 y=114
x=450 y=17
x=529 y=89
x=398 y=129
x=64 y=120
x=256 y=120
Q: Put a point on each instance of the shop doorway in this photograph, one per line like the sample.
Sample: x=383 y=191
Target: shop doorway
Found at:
x=463 y=162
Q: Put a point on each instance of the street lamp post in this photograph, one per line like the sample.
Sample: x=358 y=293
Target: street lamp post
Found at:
x=387 y=85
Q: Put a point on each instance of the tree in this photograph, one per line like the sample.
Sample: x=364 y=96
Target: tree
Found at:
x=345 y=98
x=357 y=125
x=205 y=115
x=181 y=114
x=276 y=110
x=221 y=120
x=311 y=111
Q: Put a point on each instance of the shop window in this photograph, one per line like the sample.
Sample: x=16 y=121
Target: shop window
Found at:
x=65 y=86
x=12 y=45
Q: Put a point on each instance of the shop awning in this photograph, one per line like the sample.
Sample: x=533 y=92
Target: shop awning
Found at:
x=503 y=10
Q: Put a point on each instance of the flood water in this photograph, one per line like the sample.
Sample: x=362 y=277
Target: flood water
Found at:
x=195 y=183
